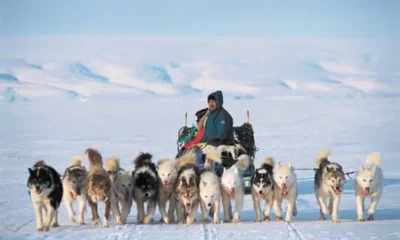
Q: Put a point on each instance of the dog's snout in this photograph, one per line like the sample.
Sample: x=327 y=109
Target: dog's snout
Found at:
x=260 y=192
x=78 y=191
x=188 y=204
x=209 y=204
x=146 y=194
x=367 y=188
x=338 y=188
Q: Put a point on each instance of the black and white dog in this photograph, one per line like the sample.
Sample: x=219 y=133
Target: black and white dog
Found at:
x=262 y=188
x=146 y=186
x=46 y=192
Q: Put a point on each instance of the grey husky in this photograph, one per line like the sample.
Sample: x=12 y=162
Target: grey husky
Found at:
x=329 y=182
x=75 y=189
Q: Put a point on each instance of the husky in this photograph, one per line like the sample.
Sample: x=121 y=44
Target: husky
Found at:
x=75 y=189
x=121 y=190
x=146 y=187
x=263 y=188
x=187 y=188
x=369 y=182
x=167 y=173
x=210 y=196
x=99 y=187
x=46 y=191
x=285 y=187
x=329 y=182
x=232 y=188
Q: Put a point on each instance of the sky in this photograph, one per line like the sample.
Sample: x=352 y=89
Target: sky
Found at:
x=355 y=19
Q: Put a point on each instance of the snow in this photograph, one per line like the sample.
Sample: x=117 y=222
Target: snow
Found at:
x=287 y=129
x=110 y=67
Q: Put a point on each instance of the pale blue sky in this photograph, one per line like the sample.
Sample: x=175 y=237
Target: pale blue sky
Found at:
x=371 y=19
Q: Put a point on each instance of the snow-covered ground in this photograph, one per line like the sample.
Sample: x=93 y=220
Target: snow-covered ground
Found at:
x=286 y=129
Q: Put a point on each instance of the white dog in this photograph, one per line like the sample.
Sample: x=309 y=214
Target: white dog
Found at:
x=369 y=182
x=210 y=196
x=285 y=187
x=167 y=172
x=232 y=188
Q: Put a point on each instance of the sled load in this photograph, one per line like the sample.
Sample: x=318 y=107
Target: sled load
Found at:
x=244 y=142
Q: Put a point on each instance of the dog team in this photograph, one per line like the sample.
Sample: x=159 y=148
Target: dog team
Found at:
x=179 y=183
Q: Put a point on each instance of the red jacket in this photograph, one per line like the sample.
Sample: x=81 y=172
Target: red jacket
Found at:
x=196 y=139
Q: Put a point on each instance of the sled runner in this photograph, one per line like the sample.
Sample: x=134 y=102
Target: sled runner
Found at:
x=244 y=139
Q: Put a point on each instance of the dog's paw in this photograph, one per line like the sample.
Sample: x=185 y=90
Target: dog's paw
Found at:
x=40 y=229
x=205 y=220
x=55 y=225
x=361 y=220
x=181 y=222
x=216 y=221
x=266 y=218
x=189 y=221
x=236 y=220
x=147 y=220
x=258 y=220
x=288 y=220
x=81 y=223
x=325 y=211
x=95 y=222
x=45 y=228
x=105 y=225
x=371 y=217
x=165 y=220
x=335 y=220
x=72 y=220
x=280 y=218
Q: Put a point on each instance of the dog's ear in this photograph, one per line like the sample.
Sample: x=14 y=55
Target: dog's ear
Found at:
x=204 y=183
x=373 y=169
x=31 y=172
x=328 y=169
x=66 y=173
x=361 y=168
x=290 y=165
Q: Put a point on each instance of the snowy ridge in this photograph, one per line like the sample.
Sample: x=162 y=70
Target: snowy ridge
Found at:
x=244 y=68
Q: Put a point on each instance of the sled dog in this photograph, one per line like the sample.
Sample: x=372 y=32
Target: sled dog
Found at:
x=369 y=182
x=46 y=191
x=329 y=182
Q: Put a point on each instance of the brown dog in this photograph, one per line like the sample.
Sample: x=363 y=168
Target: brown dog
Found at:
x=99 y=186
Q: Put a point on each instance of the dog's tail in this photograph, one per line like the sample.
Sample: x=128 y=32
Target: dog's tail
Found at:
x=268 y=162
x=142 y=159
x=374 y=159
x=77 y=161
x=187 y=157
x=322 y=156
x=112 y=164
x=243 y=162
x=95 y=158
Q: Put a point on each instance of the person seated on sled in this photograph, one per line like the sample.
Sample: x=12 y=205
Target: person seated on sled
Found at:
x=218 y=128
x=200 y=125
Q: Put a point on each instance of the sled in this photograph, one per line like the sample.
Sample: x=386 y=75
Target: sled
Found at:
x=243 y=135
